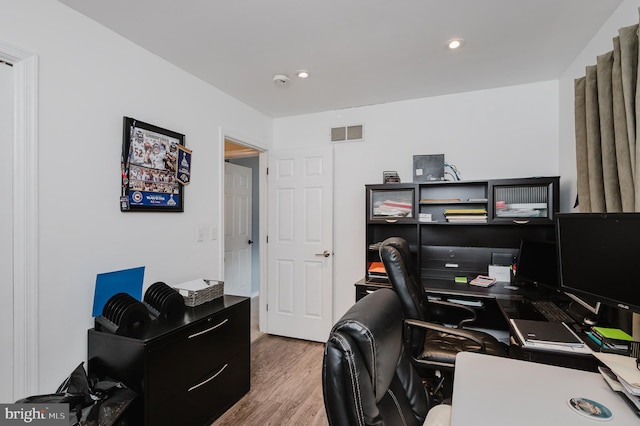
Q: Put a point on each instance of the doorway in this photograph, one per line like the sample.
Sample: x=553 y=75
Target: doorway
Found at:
x=242 y=243
x=6 y=230
x=24 y=379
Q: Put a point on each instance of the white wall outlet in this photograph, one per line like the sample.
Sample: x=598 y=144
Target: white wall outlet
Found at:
x=213 y=232
x=199 y=234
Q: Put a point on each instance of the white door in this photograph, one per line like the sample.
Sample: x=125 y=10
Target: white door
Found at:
x=300 y=243
x=6 y=231
x=237 y=230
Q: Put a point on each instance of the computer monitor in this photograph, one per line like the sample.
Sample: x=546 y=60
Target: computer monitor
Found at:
x=598 y=257
x=537 y=264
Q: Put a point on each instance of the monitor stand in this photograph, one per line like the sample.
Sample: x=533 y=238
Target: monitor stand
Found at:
x=583 y=315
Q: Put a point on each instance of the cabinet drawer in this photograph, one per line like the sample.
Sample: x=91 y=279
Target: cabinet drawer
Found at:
x=194 y=351
x=206 y=398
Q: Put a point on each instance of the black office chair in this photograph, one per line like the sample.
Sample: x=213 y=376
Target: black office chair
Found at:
x=432 y=346
x=438 y=311
x=367 y=377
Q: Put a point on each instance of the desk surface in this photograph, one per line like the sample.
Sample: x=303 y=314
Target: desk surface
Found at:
x=501 y=391
x=496 y=291
x=450 y=288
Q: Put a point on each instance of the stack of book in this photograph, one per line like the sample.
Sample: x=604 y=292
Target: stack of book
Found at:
x=439 y=200
x=466 y=215
x=376 y=271
x=610 y=338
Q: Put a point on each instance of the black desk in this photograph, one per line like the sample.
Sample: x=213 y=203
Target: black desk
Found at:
x=501 y=304
x=495 y=306
x=496 y=291
x=485 y=300
x=448 y=287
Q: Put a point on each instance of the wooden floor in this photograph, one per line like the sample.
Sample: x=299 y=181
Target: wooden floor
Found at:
x=286 y=385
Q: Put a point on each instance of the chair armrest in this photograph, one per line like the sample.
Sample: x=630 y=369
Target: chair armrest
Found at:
x=445 y=311
x=448 y=330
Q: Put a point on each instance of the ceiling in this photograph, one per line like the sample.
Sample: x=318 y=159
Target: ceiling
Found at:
x=358 y=52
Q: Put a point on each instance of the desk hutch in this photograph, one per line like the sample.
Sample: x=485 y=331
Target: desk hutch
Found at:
x=427 y=215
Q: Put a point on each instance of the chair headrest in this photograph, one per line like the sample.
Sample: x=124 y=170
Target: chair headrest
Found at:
x=375 y=325
x=409 y=291
x=402 y=246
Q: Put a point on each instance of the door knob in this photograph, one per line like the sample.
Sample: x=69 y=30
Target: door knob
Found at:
x=325 y=253
x=250 y=242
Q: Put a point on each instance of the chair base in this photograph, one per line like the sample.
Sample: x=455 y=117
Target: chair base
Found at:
x=439 y=386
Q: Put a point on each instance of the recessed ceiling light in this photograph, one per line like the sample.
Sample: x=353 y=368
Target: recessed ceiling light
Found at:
x=302 y=73
x=455 y=43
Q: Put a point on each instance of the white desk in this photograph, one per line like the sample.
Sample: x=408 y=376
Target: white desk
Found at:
x=490 y=390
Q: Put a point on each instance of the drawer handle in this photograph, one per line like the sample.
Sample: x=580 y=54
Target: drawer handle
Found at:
x=369 y=291
x=520 y=222
x=208 y=329
x=208 y=380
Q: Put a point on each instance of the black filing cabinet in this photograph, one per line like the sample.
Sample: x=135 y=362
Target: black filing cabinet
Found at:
x=188 y=370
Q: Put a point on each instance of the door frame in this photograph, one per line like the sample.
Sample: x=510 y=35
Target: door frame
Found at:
x=25 y=219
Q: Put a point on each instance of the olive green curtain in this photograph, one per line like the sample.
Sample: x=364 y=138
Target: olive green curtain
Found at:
x=607 y=108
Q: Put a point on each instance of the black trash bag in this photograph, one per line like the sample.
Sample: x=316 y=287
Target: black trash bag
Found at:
x=74 y=391
x=91 y=402
x=113 y=400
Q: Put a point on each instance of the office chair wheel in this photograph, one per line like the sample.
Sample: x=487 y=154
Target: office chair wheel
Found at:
x=439 y=388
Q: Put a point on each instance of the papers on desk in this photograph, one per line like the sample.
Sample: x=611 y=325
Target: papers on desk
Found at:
x=549 y=336
x=483 y=281
x=624 y=367
x=193 y=285
x=620 y=386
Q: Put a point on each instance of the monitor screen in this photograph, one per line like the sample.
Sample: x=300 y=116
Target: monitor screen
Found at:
x=537 y=263
x=597 y=255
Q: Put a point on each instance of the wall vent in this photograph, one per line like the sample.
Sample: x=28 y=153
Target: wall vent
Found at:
x=347 y=133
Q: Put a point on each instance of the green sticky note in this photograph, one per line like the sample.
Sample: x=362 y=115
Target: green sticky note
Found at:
x=462 y=280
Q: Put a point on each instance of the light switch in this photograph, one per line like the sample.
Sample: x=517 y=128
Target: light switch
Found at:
x=213 y=232
x=199 y=234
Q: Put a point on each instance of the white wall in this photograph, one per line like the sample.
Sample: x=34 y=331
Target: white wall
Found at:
x=89 y=79
x=625 y=15
x=500 y=133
